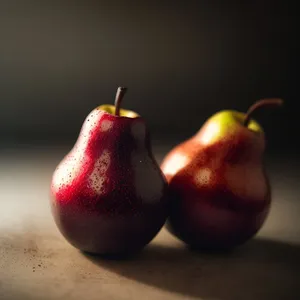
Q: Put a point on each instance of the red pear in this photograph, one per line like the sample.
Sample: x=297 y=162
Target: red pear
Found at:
x=108 y=194
x=220 y=191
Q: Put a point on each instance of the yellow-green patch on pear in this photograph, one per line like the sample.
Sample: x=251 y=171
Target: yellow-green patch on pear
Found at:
x=224 y=123
x=123 y=112
x=252 y=125
x=231 y=118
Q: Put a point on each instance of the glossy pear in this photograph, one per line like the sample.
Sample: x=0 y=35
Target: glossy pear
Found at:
x=108 y=194
x=220 y=191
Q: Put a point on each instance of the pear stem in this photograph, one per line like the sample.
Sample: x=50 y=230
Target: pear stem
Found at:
x=259 y=104
x=119 y=96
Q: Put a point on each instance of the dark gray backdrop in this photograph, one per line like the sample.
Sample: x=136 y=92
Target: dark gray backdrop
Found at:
x=181 y=62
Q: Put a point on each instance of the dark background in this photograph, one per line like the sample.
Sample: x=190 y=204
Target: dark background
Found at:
x=182 y=62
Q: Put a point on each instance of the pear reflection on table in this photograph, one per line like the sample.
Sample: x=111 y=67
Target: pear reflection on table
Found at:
x=108 y=195
x=220 y=191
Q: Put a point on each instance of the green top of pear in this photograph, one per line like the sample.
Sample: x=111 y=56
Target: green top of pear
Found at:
x=116 y=109
x=225 y=123
x=232 y=118
x=111 y=109
x=229 y=124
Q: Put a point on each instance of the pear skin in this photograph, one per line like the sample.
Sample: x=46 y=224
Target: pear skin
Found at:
x=108 y=194
x=220 y=192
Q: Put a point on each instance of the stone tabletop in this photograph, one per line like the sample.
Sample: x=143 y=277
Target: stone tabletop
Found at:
x=37 y=263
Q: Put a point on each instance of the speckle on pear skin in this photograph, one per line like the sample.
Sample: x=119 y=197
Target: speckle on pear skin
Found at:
x=98 y=176
x=106 y=125
x=203 y=177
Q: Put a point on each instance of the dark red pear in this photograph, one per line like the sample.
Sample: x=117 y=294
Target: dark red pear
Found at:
x=219 y=188
x=108 y=194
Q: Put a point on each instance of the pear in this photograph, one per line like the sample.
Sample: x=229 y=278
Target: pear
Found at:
x=219 y=188
x=108 y=194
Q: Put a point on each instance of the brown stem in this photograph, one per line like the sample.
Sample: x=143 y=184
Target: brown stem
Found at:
x=119 y=96
x=259 y=104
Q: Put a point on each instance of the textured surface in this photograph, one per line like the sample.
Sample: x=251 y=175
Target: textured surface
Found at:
x=37 y=263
